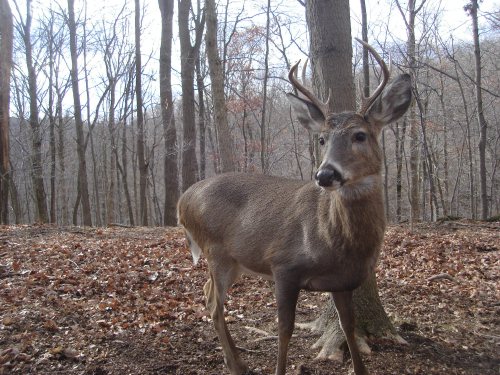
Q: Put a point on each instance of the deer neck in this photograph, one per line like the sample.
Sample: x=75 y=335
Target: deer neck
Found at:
x=359 y=210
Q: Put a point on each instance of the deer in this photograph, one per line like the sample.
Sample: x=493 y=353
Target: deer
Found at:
x=323 y=235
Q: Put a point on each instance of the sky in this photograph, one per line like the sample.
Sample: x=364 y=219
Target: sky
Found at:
x=383 y=17
x=453 y=19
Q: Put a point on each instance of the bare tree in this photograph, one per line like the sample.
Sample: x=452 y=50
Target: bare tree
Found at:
x=141 y=157
x=409 y=17
x=189 y=52
x=42 y=214
x=167 y=112
x=6 y=46
x=263 y=122
x=225 y=143
x=83 y=188
x=200 y=75
x=472 y=8
x=123 y=166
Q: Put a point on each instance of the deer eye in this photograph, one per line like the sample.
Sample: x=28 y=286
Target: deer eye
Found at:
x=321 y=141
x=360 y=137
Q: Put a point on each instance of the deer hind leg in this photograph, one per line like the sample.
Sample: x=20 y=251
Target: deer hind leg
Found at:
x=221 y=278
x=343 y=304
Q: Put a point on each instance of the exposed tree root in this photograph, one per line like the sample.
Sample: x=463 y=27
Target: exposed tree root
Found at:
x=371 y=323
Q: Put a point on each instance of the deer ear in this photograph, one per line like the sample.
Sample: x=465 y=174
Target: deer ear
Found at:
x=307 y=113
x=392 y=103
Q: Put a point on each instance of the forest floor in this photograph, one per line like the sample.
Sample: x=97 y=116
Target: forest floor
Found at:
x=129 y=301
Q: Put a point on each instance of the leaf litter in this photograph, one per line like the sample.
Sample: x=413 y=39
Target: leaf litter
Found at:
x=129 y=301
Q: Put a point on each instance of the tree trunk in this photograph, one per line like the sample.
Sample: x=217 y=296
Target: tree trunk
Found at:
x=52 y=120
x=371 y=321
x=188 y=58
x=80 y=141
x=124 y=148
x=263 y=121
x=445 y=195
x=427 y=156
x=331 y=53
x=225 y=140
x=111 y=191
x=483 y=125
x=14 y=198
x=409 y=20
x=167 y=112
x=468 y=137
x=61 y=156
x=141 y=158
x=6 y=45
x=201 y=119
x=36 y=152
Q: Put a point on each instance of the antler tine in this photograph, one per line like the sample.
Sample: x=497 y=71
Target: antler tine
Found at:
x=323 y=107
x=304 y=71
x=366 y=103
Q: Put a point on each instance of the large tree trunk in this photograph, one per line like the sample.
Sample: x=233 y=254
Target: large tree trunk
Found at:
x=371 y=321
x=331 y=52
x=6 y=43
x=331 y=55
x=83 y=188
x=225 y=140
x=167 y=112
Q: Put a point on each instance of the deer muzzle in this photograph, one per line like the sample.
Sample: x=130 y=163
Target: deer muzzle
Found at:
x=327 y=176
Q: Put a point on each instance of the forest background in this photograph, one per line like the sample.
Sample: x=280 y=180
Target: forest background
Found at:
x=105 y=146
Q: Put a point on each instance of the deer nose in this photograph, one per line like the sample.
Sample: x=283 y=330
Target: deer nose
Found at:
x=326 y=176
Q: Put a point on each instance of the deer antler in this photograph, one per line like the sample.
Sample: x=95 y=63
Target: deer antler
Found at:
x=366 y=103
x=322 y=106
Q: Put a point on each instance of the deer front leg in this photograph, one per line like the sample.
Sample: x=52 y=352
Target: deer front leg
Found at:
x=343 y=304
x=286 y=299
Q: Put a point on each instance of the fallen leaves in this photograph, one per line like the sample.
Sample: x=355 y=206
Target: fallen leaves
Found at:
x=100 y=300
x=444 y=275
x=76 y=284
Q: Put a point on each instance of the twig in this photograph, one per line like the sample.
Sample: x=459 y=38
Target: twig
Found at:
x=265 y=338
x=441 y=276
x=248 y=350
x=119 y=225
x=495 y=337
x=256 y=330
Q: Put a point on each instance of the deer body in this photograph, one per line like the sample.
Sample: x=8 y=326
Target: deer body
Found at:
x=283 y=225
x=323 y=236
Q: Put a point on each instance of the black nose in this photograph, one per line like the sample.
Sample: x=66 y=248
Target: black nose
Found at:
x=325 y=177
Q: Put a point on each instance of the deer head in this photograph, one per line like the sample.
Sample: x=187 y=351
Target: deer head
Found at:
x=350 y=140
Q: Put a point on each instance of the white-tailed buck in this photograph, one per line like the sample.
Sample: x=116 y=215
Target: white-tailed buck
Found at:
x=323 y=235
